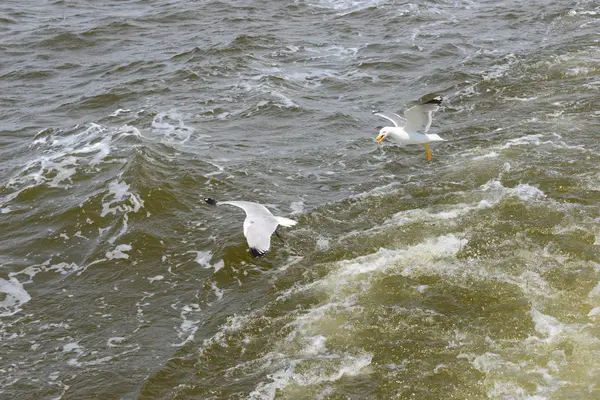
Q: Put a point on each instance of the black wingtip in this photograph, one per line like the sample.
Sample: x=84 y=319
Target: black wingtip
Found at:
x=210 y=201
x=436 y=100
x=376 y=111
x=257 y=253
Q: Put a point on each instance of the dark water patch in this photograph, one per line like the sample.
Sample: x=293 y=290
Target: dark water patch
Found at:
x=159 y=178
x=7 y=20
x=170 y=18
x=106 y=101
x=385 y=64
x=246 y=42
x=190 y=55
x=68 y=66
x=175 y=369
x=65 y=41
x=27 y=74
x=114 y=28
x=140 y=67
x=8 y=101
x=186 y=75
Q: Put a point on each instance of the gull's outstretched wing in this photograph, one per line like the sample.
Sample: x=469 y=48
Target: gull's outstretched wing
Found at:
x=394 y=118
x=418 y=118
x=249 y=207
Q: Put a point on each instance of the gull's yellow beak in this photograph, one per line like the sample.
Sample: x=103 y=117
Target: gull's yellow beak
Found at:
x=380 y=138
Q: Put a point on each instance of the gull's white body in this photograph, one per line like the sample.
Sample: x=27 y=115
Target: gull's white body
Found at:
x=412 y=129
x=401 y=136
x=259 y=224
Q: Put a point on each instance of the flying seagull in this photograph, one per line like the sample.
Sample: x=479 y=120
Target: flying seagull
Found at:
x=259 y=224
x=412 y=129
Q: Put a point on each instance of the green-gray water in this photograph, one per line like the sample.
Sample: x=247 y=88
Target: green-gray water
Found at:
x=473 y=276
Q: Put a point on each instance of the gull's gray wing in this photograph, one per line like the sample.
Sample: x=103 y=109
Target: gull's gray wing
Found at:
x=394 y=118
x=249 y=207
x=418 y=118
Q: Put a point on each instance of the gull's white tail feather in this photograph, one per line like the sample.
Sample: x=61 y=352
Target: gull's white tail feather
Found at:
x=285 y=221
x=435 y=138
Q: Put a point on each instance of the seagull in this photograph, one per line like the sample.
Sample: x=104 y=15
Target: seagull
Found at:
x=259 y=224
x=412 y=129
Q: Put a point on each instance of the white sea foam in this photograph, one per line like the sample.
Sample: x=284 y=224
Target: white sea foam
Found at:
x=523 y=191
x=100 y=149
x=289 y=373
x=345 y=6
x=72 y=347
x=322 y=244
x=170 y=128
x=595 y=292
x=16 y=296
x=492 y=192
x=203 y=258
x=548 y=326
x=120 y=192
x=119 y=111
x=595 y=311
x=537 y=140
x=75 y=362
x=188 y=327
x=574 y=71
x=284 y=100
x=432 y=256
x=491 y=154
x=115 y=341
x=502 y=376
x=33 y=270
x=58 y=156
x=419 y=214
x=307 y=339
x=119 y=200
x=233 y=324
x=595 y=85
x=525 y=140
x=412 y=260
x=216 y=290
x=219 y=265
x=54 y=326
x=297 y=207
x=325 y=52
x=527 y=192
x=63 y=173
x=120 y=252
x=389 y=189
x=509 y=364
x=436 y=256
x=524 y=99
x=421 y=288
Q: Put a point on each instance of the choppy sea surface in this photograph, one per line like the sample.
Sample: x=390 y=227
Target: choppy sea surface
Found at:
x=473 y=276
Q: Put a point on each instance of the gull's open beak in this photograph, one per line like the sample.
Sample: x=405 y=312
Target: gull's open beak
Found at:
x=380 y=138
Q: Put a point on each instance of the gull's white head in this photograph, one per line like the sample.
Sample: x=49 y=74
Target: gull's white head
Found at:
x=382 y=134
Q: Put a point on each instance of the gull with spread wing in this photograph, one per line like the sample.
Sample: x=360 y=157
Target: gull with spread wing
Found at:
x=259 y=224
x=412 y=129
